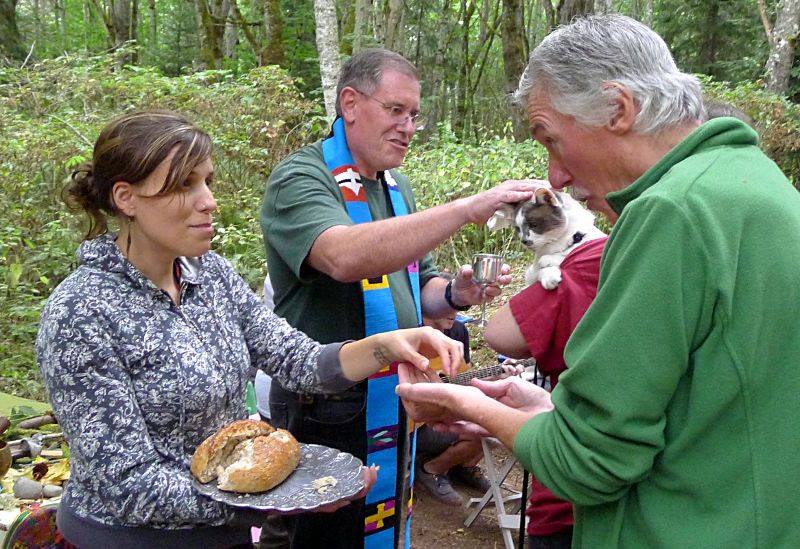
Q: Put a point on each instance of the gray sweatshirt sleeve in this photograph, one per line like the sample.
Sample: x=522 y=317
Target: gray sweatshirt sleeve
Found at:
x=299 y=363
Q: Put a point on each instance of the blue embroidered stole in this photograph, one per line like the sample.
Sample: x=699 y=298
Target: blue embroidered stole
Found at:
x=384 y=501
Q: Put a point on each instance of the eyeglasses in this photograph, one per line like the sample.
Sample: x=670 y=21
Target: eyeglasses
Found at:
x=398 y=112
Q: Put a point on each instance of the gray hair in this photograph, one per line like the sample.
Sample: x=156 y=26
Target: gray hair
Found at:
x=364 y=70
x=573 y=63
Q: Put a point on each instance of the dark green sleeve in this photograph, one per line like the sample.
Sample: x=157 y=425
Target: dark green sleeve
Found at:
x=625 y=359
x=301 y=201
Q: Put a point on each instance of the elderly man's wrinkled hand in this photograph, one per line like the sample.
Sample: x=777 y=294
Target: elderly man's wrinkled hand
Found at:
x=482 y=206
x=516 y=393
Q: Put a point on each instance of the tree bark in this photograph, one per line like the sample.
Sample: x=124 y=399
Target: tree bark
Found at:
x=606 y=6
x=230 y=34
x=569 y=9
x=378 y=21
x=708 y=45
x=361 y=23
x=10 y=39
x=213 y=28
x=123 y=18
x=393 y=23
x=781 y=57
x=151 y=5
x=513 y=59
x=549 y=15
x=273 y=33
x=328 y=50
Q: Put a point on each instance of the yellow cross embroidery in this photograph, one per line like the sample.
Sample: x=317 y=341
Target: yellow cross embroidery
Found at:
x=380 y=515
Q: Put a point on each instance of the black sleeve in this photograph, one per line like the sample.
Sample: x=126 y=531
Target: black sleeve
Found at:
x=459 y=333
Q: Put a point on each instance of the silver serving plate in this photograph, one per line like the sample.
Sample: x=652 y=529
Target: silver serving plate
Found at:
x=297 y=492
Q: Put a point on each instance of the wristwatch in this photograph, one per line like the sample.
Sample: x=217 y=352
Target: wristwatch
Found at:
x=448 y=296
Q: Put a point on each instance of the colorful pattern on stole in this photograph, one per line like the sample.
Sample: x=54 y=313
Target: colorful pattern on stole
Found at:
x=384 y=501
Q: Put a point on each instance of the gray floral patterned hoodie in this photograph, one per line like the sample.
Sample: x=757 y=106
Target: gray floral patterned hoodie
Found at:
x=137 y=382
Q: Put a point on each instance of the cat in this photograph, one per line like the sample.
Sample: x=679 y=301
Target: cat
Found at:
x=551 y=224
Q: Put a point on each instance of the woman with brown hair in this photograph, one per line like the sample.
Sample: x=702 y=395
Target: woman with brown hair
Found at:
x=145 y=347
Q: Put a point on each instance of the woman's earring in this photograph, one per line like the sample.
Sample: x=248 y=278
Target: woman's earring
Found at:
x=128 y=247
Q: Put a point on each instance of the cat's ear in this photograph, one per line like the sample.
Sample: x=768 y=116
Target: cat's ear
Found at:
x=546 y=196
x=502 y=218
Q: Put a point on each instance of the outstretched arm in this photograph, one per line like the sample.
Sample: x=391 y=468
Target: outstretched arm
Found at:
x=349 y=253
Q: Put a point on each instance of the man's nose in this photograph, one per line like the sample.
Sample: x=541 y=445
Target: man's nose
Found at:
x=558 y=176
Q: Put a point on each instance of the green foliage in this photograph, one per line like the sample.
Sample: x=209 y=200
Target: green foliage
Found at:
x=445 y=170
x=722 y=39
x=776 y=120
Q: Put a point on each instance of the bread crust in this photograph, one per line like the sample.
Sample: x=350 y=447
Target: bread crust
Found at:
x=263 y=463
x=213 y=450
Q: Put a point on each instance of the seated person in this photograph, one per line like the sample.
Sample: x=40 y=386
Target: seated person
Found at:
x=444 y=457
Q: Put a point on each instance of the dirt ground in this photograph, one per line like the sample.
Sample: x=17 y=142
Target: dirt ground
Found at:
x=436 y=525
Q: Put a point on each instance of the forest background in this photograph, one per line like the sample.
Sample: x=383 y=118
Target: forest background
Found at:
x=258 y=75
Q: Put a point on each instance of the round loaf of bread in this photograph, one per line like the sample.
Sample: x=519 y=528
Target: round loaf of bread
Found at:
x=260 y=463
x=246 y=456
x=218 y=446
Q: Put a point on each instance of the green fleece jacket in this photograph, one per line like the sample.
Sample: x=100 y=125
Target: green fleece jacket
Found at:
x=677 y=421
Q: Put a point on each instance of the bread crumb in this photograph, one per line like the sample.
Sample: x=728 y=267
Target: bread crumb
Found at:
x=322 y=485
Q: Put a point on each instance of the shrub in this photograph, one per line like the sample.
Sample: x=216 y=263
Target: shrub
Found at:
x=776 y=120
x=444 y=170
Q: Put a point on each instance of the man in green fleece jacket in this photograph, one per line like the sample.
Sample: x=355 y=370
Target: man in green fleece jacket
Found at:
x=675 y=422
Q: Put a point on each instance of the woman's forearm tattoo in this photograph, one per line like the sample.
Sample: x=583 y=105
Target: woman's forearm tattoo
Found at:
x=380 y=355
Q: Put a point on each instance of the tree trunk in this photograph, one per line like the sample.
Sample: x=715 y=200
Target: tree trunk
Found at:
x=151 y=6
x=460 y=118
x=781 y=56
x=393 y=23
x=549 y=15
x=86 y=23
x=105 y=14
x=230 y=36
x=361 y=23
x=378 y=21
x=10 y=39
x=328 y=50
x=212 y=33
x=606 y=6
x=61 y=10
x=273 y=33
x=569 y=9
x=123 y=18
x=514 y=59
x=648 y=13
x=708 y=44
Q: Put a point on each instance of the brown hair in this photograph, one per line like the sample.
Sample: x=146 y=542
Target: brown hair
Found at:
x=128 y=149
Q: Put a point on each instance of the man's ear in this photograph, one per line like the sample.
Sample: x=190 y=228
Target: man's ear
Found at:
x=348 y=98
x=503 y=217
x=122 y=198
x=625 y=109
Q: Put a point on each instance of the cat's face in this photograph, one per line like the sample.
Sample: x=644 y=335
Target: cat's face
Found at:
x=544 y=218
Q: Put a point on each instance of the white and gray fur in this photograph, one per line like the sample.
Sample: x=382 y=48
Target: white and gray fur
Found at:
x=551 y=224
